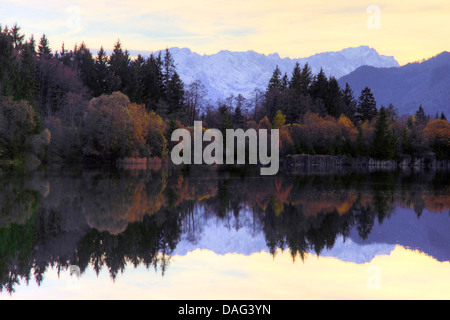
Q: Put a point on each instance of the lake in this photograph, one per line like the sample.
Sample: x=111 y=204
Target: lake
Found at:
x=205 y=233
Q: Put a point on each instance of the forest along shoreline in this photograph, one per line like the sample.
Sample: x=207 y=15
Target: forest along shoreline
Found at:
x=319 y=161
x=287 y=163
x=329 y=161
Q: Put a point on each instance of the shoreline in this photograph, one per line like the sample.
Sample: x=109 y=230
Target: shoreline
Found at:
x=328 y=161
x=288 y=163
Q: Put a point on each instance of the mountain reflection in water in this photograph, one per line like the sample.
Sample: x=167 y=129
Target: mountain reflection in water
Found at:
x=115 y=219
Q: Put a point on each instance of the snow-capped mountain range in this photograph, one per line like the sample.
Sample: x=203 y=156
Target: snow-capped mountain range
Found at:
x=231 y=73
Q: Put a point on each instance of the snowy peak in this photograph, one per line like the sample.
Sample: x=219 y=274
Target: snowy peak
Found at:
x=229 y=73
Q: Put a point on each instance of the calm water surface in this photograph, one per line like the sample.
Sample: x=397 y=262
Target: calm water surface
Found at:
x=72 y=233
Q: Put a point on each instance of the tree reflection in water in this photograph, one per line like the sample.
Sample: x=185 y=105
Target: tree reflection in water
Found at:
x=119 y=218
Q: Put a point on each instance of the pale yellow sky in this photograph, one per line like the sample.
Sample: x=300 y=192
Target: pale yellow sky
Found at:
x=408 y=30
x=403 y=274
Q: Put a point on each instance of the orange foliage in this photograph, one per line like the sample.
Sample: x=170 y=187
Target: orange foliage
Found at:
x=319 y=133
x=438 y=132
x=142 y=204
x=286 y=142
x=436 y=202
x=265 y=124
x=140 y=124
x=347 y=129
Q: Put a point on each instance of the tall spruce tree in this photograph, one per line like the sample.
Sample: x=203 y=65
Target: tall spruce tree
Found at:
x=8 y=66
x=85 y=66
x=175 y=94
x=17 y=38
x=349 y=102
x=421 y=117
x=273 y=93
x=284 y=82
x=295 y=84
x=275 y=80
x=319 y=86
x=293 y=108
x=367 y=106
x=136 y=92
x=101 y=71
x=44 y=50
x=384 y=141
x=306 y=79
x=28 y=81
x=334 y=102
x=119 y=64
x=153 y=90
x=172 y=84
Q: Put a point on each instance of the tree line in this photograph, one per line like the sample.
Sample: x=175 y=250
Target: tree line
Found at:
x=316 y=116
x=72 y=105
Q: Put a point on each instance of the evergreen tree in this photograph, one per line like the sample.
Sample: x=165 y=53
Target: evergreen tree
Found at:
x=101 y=72
x=28 y=82
x=225 y=119
x=65 y=56
x=306 y=79
x=349 y=102
x=406 y=143
x=392 y=112
x=273 y=94
x=173 y=85
x=119 y=64
x=238 y=118
x=334 y=102
x=294 y=95
x=361 y=146
x=168 y=69
x=319 y=87
x=44 y=50
x=153 y=90
x=17 y=38
x=421 y=117
x=284 y=82
x=443 y=117
x=175 y=94
x=173 y=125
x=367 y=106
x=275 y=81
x=162 y=109
x=295 y=83
x=136 y=92
x=8 y=66
x=85 y=66
x=298 y=101
x=384 y=143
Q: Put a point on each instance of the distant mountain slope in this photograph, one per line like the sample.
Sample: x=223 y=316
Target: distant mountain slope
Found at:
x=427 y=233
x=231 y=73
x=426 y=83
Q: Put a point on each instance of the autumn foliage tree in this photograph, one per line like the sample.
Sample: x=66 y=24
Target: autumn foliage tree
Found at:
x=18 y=126
x=115 y=128
x=437 y=133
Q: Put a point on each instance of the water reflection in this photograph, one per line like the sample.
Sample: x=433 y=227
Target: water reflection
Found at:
x=114 y=219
